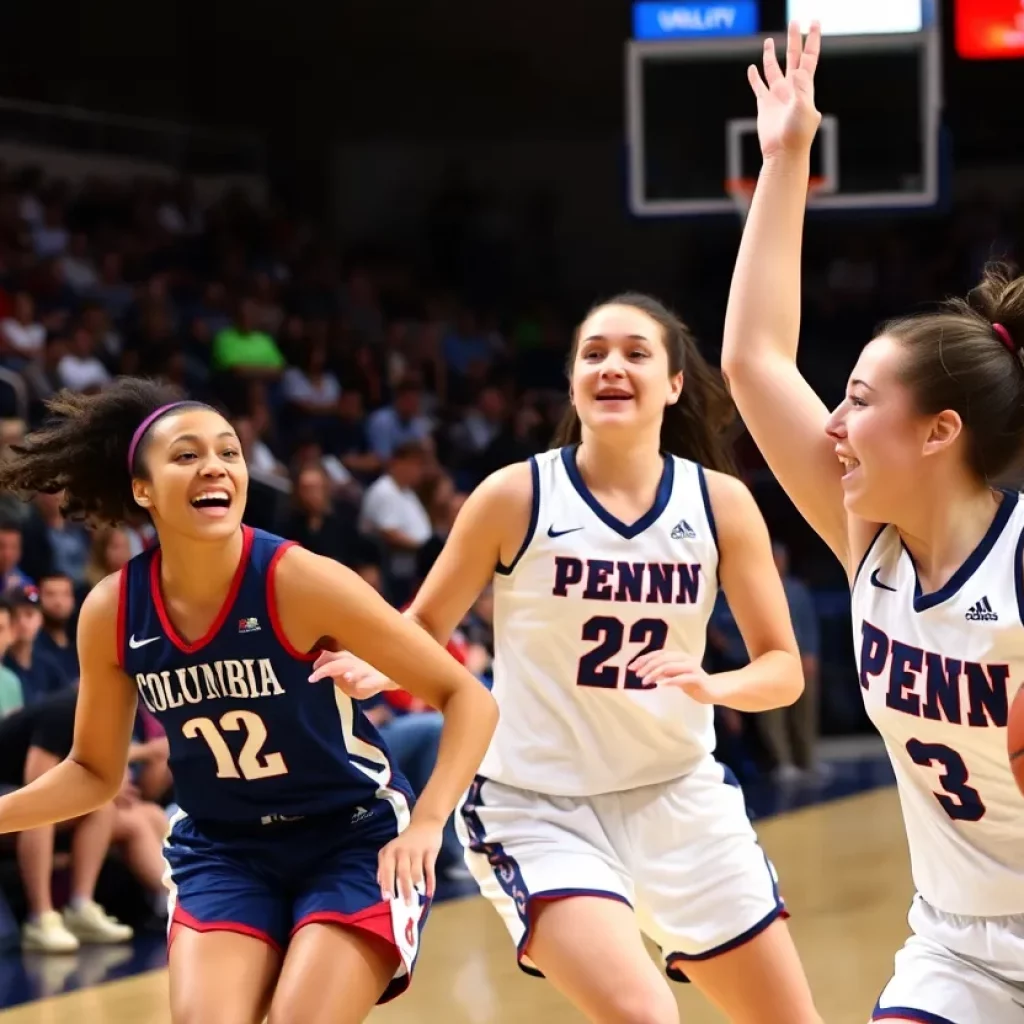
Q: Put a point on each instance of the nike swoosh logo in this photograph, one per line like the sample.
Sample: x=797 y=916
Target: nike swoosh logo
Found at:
x=876 y=582
x=552 y=532
x=135 y=644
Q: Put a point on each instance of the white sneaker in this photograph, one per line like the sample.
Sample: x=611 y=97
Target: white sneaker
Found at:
x=48 y=934
x=90 y=923
x=821 y=772
x=788 y=775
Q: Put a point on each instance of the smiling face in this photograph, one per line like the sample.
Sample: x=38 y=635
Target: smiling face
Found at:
x=621 y=378
x=197 y=479
x=888 y=448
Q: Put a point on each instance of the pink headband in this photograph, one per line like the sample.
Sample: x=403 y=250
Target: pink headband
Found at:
x=1004 y=337
x=140 y=431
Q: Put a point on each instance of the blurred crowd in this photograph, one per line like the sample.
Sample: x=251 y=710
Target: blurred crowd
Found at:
x=369 y=400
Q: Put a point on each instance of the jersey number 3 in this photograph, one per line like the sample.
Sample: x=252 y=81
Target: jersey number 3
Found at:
x=593 y=670
x=252 y=762
x=960 y=801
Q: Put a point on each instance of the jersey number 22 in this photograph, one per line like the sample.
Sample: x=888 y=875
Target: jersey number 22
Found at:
x=594 y=669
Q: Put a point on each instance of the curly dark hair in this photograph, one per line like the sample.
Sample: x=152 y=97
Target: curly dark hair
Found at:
x=82 y=449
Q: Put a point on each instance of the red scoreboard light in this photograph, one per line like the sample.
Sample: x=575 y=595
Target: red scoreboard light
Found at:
x=989 y=29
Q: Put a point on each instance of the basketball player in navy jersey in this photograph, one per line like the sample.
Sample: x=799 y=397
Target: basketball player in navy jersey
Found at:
x=300 y=873
x=899 y=481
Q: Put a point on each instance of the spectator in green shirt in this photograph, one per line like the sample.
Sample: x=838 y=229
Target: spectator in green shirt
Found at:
x=243 y=350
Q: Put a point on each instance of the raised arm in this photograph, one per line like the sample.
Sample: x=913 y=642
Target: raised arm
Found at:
x=762 y=325
x=92 y=773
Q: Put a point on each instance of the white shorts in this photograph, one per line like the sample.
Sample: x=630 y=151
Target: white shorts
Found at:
x=957 y=970
x=682 y=853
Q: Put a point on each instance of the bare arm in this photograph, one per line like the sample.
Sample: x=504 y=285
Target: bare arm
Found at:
x=774 y=676
x=318 y=597
x=92 y=773
x=780 y=409
x=490 y=528
x=784 y=415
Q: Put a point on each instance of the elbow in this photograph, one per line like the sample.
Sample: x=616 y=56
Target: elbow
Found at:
x=736 y=374
x=730 y=362
x=103 y=787
x=106 y=791
x=794 y=682
x=735 y=353
x=489 y=713
x=474 y=701
x=485 y=714
x=791 y=694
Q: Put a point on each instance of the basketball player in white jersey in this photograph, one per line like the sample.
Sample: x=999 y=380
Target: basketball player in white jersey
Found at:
x=897 y=481
x=600 y=812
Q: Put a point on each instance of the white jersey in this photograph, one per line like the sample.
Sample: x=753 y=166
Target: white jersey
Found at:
x=584 y=597
x=938 y=673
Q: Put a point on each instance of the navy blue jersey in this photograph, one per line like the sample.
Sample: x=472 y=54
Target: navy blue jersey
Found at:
x=251 y=739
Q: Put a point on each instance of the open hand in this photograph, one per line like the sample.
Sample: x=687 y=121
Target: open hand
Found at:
x=407 y=862
x=787 y=118
x=675 y=668
x=353 y=676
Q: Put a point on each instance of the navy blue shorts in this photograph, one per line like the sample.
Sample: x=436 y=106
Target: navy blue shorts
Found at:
x=267 y=881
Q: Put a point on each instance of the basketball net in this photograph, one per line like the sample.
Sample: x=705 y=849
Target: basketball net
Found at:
x=741 y=191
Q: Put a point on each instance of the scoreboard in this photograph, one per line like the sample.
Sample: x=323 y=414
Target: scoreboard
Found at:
x=860 y=17
x=691 y=116
x=661 y=19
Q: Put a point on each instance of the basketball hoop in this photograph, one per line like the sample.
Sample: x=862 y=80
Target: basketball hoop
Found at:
x=741 y=190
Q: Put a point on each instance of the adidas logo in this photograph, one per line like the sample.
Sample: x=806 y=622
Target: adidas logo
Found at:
x=683 y=531
x=982 y=612
x=361 y=814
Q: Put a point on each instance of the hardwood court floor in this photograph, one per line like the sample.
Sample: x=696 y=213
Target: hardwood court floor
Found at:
x=845 y=877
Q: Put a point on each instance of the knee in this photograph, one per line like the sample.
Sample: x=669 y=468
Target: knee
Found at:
x=127 y=822
x=641 y=1006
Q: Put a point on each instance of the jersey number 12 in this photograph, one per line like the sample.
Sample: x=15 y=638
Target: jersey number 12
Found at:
x=594 y=669
x=252 y=762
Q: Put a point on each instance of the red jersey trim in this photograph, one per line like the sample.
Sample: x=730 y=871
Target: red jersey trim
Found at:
x=222 y=615
x=122 y=617
x=275 y=618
